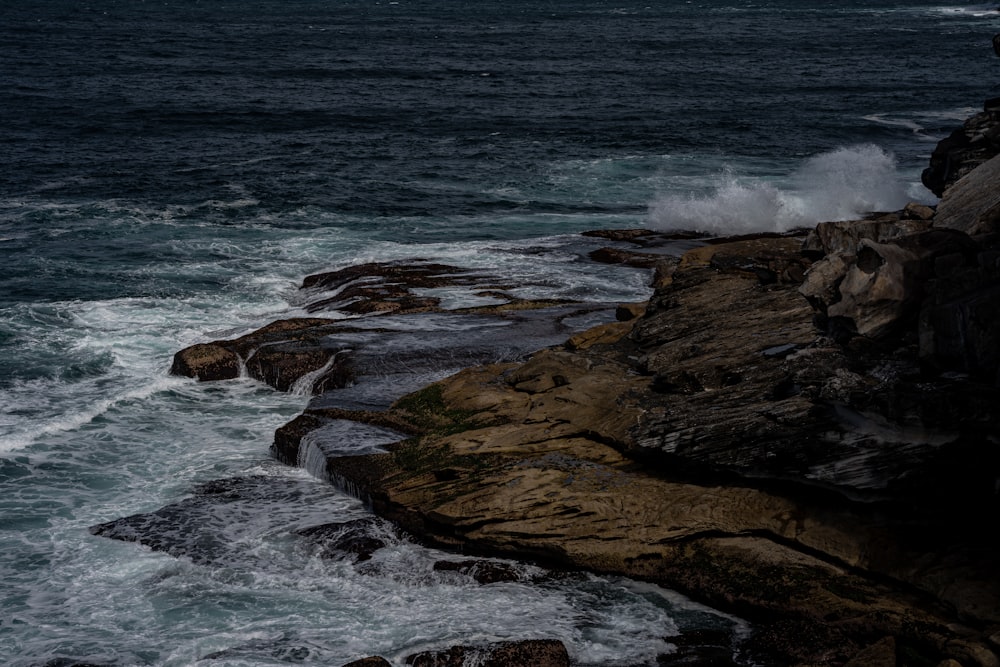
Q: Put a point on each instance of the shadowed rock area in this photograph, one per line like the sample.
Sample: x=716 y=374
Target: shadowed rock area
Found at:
x=801 y=429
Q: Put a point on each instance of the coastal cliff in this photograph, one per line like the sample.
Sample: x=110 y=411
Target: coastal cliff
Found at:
x=802 y=429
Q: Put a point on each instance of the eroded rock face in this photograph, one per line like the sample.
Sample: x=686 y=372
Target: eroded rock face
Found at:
x=312 y=355
x=976 y=142
x=972 y=204
x=720 y=447
x=801 y=429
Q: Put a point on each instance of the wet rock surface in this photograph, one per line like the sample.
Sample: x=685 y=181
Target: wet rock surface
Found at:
x=724 y=445
x=801 y=429
x=536 y=652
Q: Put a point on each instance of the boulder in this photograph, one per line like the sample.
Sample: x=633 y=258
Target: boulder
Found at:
x=879 y=291
x=207 y=362
x=964 y=150
x=972 y=204
x=372 y=661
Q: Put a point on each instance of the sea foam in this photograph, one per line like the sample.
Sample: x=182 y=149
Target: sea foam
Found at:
x=839 y=185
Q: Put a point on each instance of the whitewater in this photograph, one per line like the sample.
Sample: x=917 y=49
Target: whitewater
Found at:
x=174 y=170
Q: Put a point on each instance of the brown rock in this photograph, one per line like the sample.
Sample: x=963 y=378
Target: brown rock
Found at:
x=880 y=654
x=206 y=362
x=684 y=454
x=972 y=204
x=880 y=290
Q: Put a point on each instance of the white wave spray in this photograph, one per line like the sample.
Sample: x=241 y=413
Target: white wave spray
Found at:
x=839 y=185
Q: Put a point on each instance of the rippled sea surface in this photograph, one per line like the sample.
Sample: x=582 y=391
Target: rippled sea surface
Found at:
x=171 y=170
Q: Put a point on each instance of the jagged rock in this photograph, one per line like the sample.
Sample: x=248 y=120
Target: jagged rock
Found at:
x=842 y=238
x=879 y=290
x=830 y=484
x=697 y=452
x=972 y=204
x=977 y=141
x=526 y=653
x=280 y=354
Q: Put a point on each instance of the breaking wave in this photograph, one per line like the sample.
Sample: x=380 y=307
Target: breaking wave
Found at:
x=840 y=185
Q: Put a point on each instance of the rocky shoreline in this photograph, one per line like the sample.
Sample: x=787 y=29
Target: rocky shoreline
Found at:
x=802 y=429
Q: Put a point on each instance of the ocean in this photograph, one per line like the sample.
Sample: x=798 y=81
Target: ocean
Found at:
x=173 y=169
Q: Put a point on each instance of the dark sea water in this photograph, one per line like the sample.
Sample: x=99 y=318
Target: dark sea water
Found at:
x=171 y=170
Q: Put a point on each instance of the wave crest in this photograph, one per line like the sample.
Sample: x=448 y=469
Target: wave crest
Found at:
x=842 y=184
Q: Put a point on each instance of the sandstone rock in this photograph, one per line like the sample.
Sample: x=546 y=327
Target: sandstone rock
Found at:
x=206 y=362
x=880 y=290
x=843 y=238
x=627 y=257
x=720 y=445
x=976 y=142
x=914 y=211
x=698 y=452
x=880 y=654
x=972 y=204
x=280 y=354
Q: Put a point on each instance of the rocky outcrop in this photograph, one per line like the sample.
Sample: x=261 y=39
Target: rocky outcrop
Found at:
x=802 y=429
x=727 y=448
x=972 y=205
x=976 y=142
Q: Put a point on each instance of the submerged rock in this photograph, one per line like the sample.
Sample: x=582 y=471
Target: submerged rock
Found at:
x=373 y=661
x=360 y=537
x=526 y=653
x=483 y=571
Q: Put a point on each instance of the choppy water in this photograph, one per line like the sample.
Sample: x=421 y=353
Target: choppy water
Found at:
x=171 y=170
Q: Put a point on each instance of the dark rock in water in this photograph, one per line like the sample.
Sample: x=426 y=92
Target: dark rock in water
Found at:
x=206 y=527
x=284 y=649
x=313 y=355
x=627 y=257
x=207 y=362
x=483 y=571
x=373 y=661
x=361 y=537
x=526 y=653
x=279 y=354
